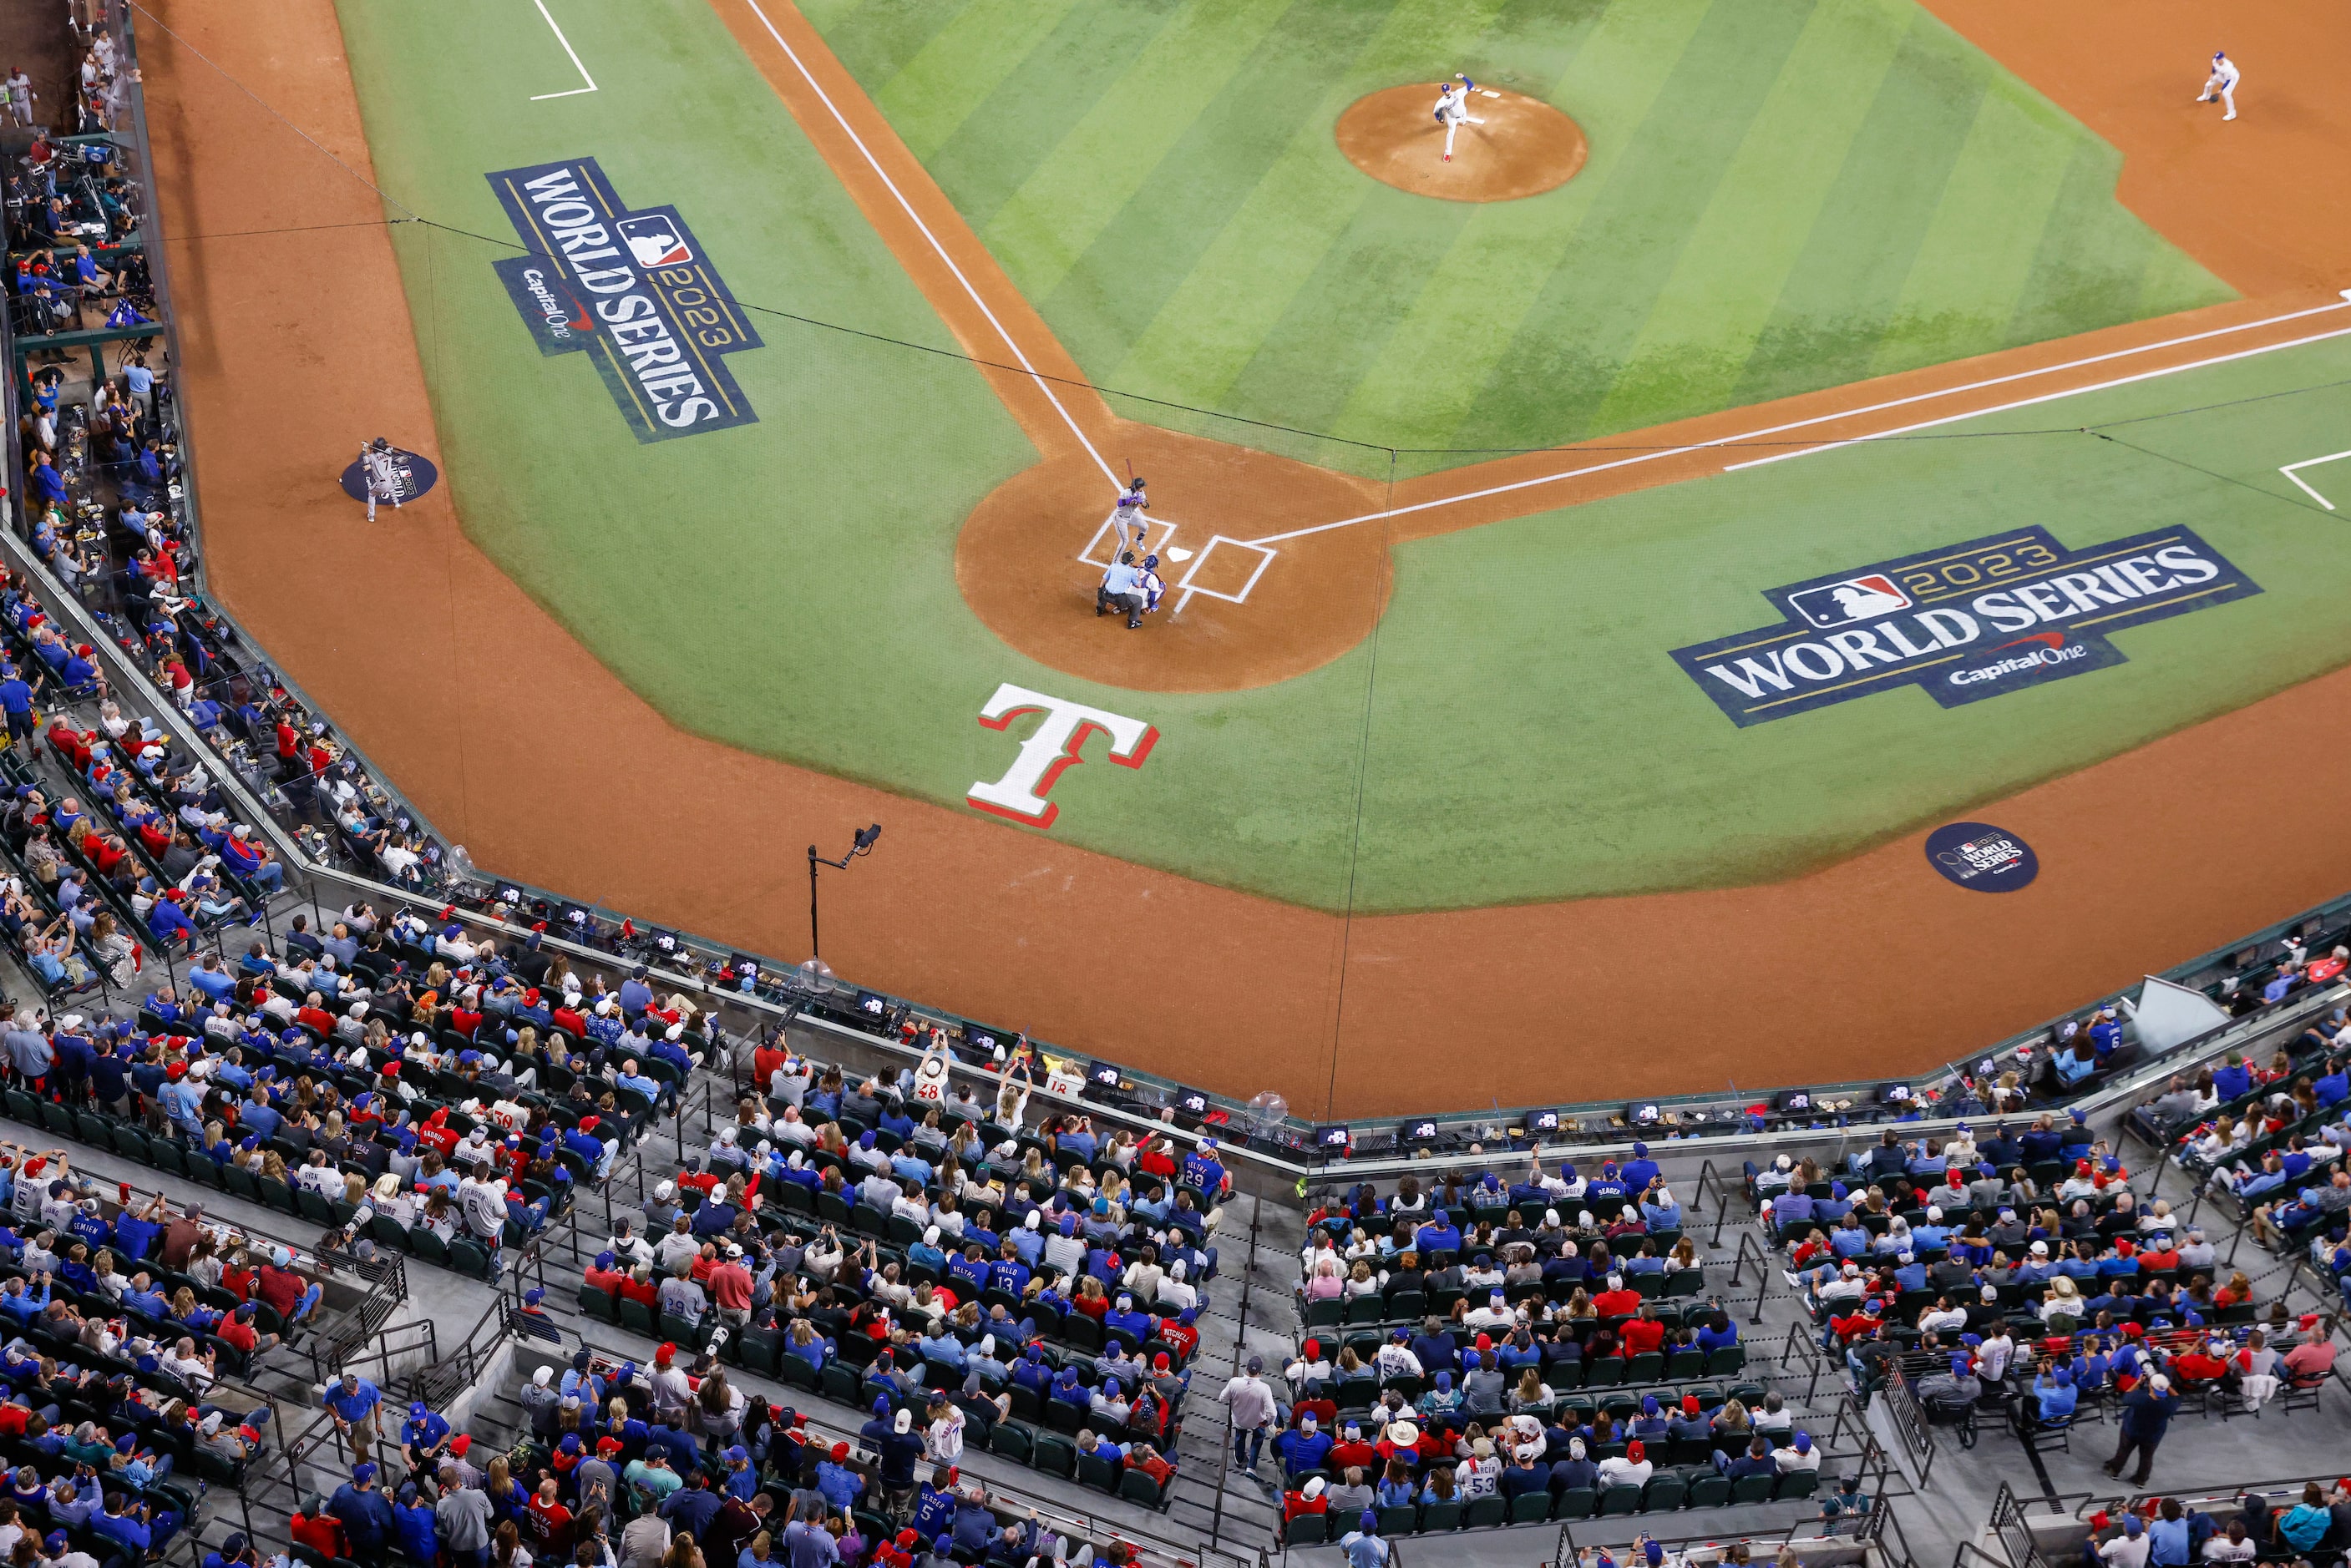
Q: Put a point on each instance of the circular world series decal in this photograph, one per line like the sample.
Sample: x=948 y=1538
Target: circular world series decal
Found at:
x=415 y=475
x=1981 y=858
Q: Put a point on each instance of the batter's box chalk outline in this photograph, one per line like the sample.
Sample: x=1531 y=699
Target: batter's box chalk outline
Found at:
x=1187 y=588
x=1153 y=544
x=2288 y=470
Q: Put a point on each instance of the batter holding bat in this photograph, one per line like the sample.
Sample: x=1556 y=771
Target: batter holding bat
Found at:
x=1128 y=521
x=1453 y=107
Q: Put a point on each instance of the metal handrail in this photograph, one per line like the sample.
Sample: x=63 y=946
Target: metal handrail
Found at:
x=1909 y=1422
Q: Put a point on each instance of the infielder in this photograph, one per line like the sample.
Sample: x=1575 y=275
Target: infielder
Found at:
x=1122 y=590
x=1453 y=107
x=377 y=463
x=1128 y=520
x=2221 y=84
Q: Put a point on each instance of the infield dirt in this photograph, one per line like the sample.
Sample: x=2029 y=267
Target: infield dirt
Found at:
x=519 y=744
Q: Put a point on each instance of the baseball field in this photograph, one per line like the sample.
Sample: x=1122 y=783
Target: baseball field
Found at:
x=1897 y=418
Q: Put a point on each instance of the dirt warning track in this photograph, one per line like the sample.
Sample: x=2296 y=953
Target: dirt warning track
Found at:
x=448 y=675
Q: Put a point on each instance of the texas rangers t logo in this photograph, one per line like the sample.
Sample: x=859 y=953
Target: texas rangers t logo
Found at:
x=1055 y=746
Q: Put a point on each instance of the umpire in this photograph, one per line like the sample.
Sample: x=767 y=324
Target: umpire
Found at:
x=1121 y=588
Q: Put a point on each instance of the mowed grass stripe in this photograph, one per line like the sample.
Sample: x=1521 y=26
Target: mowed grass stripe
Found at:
x=1111 y=296
x=1044 y=96
x=875 y=38
x=1072 y=197
x=1444 y=350
x=1704 y=324
x=1551 y=381
x=1215 y=321
x=981 y=45
x=2088 y=268
x=1845 y=287
x=1980 y=248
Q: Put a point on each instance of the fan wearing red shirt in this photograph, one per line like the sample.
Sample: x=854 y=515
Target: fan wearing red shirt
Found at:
x=313 y=1017
x=1865 y=1316
x=106 y=852
x=568 y=1019
x=13 y=1418
x=2162 y=1254
x=1351 y=1449
x=463 y=1021
x=237 y=1330
x=2199 y=1365
x=1158 y=1159
x=551 y=1521
x=644 y=1291
x=1144 y=1457
x=1643 y=1333
x=1616 y=1300
x=438 y=1134
x=281 y=1288
x=1307 y=1500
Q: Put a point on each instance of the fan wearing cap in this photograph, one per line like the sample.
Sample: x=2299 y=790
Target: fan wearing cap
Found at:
x=2147 y=1413
x=414 y=1530
x=1206 y=1172
x=1363 y=1545
x=1251 y=1403
x=1307 y=1499
x=365 y=1514
x=424 y=1436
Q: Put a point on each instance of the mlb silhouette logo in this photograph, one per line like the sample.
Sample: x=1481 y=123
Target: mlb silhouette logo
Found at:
x=1854 y=600
x=654 y=240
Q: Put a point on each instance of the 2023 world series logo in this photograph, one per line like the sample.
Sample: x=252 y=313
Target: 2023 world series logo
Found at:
x=631 y=289
x=1967 y=622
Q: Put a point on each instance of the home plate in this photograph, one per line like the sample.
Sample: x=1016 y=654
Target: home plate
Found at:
x=1176 y=554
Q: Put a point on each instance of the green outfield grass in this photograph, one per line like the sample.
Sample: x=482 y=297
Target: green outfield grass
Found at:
x=788 y=587
x=1782 y=195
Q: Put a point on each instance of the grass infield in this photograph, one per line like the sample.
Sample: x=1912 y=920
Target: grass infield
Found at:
x=1782 y=195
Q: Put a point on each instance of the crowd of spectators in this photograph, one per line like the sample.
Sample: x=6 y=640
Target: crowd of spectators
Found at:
x=2297 y=1529
x=669 y=1466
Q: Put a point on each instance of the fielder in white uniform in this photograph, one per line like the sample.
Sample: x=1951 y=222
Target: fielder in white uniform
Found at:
x=1453 y=107
x=378 y=462
x=2221 y=84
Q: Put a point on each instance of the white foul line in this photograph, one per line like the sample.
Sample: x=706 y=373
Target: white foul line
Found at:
x=2311 y=462
x=1042 y=385
x=1815 y=420
x=568 y=49
x=2049 y=398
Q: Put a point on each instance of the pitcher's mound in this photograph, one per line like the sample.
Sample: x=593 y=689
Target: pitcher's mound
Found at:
x=1524 y=148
